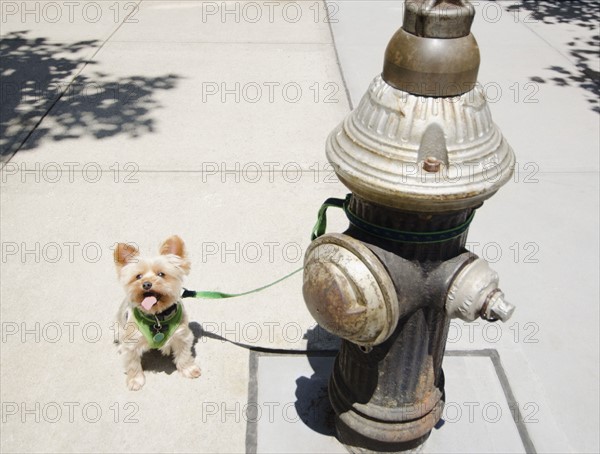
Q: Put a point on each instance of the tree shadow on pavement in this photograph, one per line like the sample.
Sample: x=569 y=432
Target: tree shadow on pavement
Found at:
x=585 y=50
x=37 y=83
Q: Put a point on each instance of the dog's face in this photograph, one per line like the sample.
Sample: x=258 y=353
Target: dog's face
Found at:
x=153 y=284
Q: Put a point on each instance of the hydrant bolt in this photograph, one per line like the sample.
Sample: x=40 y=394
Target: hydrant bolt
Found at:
x=432 y=165
x=497 y=308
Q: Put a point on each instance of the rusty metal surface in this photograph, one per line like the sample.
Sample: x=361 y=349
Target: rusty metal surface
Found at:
x=391 y=396
x=431 y=66
x=348 y=291
x=434 y=53
x=438 y=18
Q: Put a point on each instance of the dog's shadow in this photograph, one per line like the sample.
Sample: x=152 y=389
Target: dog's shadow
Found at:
x=155 y=361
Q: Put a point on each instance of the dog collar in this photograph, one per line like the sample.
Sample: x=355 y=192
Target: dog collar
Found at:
x=157 y=329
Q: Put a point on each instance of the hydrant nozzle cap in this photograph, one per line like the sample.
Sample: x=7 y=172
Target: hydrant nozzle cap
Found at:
x=434 y=53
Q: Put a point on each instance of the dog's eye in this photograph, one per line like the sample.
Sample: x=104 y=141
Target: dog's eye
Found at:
x=160 y=274
x=138 y=277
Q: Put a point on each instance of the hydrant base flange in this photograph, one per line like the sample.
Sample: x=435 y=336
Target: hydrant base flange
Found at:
x=356 y=430
x=353 y=441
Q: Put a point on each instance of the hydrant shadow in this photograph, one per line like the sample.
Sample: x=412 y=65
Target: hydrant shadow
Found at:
x=312 y=396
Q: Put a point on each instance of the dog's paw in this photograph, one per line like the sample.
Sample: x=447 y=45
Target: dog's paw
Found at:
x=191 y=371
x=136 y=382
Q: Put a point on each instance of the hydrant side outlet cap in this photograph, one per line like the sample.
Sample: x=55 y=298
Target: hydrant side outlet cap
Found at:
x=348 y=292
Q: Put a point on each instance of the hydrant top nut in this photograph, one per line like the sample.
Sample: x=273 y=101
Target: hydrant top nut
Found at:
x=438 y=18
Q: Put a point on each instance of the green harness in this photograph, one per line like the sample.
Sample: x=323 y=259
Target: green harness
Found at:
x=158 y=329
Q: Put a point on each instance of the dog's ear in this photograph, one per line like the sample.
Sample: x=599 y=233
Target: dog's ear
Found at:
x=175 y=246
x=124 y=254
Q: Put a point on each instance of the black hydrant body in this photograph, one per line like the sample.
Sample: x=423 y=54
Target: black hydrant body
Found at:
x=420 y=154
x=394 y=393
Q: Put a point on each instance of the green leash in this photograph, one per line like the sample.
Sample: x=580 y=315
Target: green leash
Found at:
x=210 y=295
x=321 y=225
x=318 y=230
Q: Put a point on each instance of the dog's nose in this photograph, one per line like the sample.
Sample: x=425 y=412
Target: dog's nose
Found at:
x=147 y=285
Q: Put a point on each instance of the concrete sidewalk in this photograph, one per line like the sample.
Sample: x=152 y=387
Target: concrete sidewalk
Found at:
x=131 y=121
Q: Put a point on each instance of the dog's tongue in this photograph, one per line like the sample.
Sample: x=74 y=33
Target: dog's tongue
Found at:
x=148 y=302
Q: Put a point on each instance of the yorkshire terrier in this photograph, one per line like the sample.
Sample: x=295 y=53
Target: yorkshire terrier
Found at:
x=151 y=315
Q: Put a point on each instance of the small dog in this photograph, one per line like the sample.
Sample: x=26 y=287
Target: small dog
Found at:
x=152 y=315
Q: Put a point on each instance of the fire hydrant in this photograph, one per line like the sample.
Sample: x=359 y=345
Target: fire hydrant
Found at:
x=419 y=154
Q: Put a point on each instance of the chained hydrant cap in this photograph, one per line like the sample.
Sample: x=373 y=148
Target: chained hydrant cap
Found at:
x=434 y=53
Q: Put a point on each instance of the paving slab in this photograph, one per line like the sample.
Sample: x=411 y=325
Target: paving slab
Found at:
x=292 y=413
x=246 y=22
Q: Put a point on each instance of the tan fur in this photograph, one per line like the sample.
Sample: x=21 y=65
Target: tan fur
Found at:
x=134 y=271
